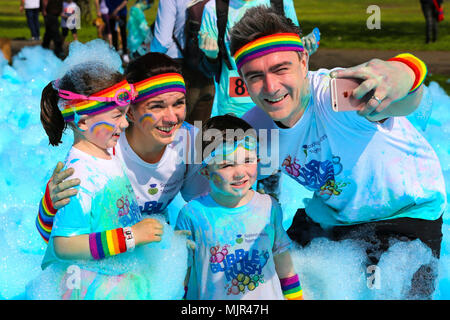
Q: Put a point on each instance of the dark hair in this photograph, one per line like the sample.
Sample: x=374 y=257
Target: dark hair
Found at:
x=258 y=22
x=149 y=65
x=86 y=79
x=220 y=127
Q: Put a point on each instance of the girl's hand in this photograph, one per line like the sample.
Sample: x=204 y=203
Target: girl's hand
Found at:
x=146 y=231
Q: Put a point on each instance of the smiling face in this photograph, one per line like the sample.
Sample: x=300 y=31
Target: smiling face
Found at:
x=157 y=119
x=277 y=83
x=231 y=178
x=103 y=130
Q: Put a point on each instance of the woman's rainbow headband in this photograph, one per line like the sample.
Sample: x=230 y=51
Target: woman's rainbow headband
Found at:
x=159 y=84
x=119 y=94
x=268 y=44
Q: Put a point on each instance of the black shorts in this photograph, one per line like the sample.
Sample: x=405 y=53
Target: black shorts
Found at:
x=376 y=233
x=65 y=31
x=376 y=236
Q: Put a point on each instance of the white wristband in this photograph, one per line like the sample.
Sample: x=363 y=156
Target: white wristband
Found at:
x=129 y=238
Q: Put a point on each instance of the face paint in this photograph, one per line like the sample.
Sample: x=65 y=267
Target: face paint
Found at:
x=147 y=118
x=102 y=128
x=216 y=178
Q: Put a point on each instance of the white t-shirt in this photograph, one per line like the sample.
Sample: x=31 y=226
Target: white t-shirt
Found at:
x=103 y=7
x=105 y=200
x=232 y=96
x=156 y=184
x=360 y=171
x=31 y=4
x=70 y=9
x=233 y=258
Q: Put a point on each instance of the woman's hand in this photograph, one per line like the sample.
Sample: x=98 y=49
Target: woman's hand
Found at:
x=61 y=189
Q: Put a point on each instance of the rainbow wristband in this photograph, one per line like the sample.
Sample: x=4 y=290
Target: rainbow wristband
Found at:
x=46 y=215
x=291 y=288
x=418 y=67
x=107 y=243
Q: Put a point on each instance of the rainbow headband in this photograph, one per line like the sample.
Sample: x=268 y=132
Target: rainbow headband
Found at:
x=268 y=44
x=120 y=94
x=159 y=84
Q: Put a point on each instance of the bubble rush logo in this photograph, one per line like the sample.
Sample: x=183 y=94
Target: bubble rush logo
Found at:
x=242 y=269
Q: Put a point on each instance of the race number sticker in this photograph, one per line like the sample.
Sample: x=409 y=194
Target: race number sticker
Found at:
x=237 y=88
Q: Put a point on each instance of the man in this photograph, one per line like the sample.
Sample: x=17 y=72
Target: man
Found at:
x=373 y=175
x=232 y=96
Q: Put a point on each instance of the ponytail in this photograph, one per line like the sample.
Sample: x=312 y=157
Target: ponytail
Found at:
x=51 y=117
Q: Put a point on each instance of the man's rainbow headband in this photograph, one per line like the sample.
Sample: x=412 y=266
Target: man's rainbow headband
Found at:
x=268 y=44
x=120 y=94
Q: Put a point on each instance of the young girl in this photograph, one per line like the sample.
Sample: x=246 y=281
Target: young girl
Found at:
x=103 y=219
x=241 y=247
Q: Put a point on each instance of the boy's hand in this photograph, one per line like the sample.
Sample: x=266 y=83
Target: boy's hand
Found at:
x=189 y=243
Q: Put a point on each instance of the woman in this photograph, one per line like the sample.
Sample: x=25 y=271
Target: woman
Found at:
x=157 y=147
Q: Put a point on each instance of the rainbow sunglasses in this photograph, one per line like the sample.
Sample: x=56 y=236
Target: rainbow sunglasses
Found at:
x=268 y=44
x=120 y=94
x=227 y=148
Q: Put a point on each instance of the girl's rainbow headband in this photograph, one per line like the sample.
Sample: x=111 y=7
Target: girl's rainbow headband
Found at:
x=120 y=94
x=268 y=44
x=159 y=84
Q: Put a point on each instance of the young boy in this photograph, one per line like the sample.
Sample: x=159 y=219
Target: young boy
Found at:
x=241 y=246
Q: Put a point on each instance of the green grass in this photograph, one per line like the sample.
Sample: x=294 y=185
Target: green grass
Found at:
x=343 y=24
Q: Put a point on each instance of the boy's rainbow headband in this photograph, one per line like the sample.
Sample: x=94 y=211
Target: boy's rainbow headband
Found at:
x=268 y=44
x=227 y=148
x=159 y=84
x=120 y=94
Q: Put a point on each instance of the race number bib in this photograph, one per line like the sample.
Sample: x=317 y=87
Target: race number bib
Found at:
x=237 y=88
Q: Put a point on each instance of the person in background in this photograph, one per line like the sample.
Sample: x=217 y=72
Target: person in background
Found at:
x=51 y=10
x=139 y=32
x=169 y=38
x=432 y=11
x=31 y=8
x=118 y=17
x=70 y=19
x=103 y=29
